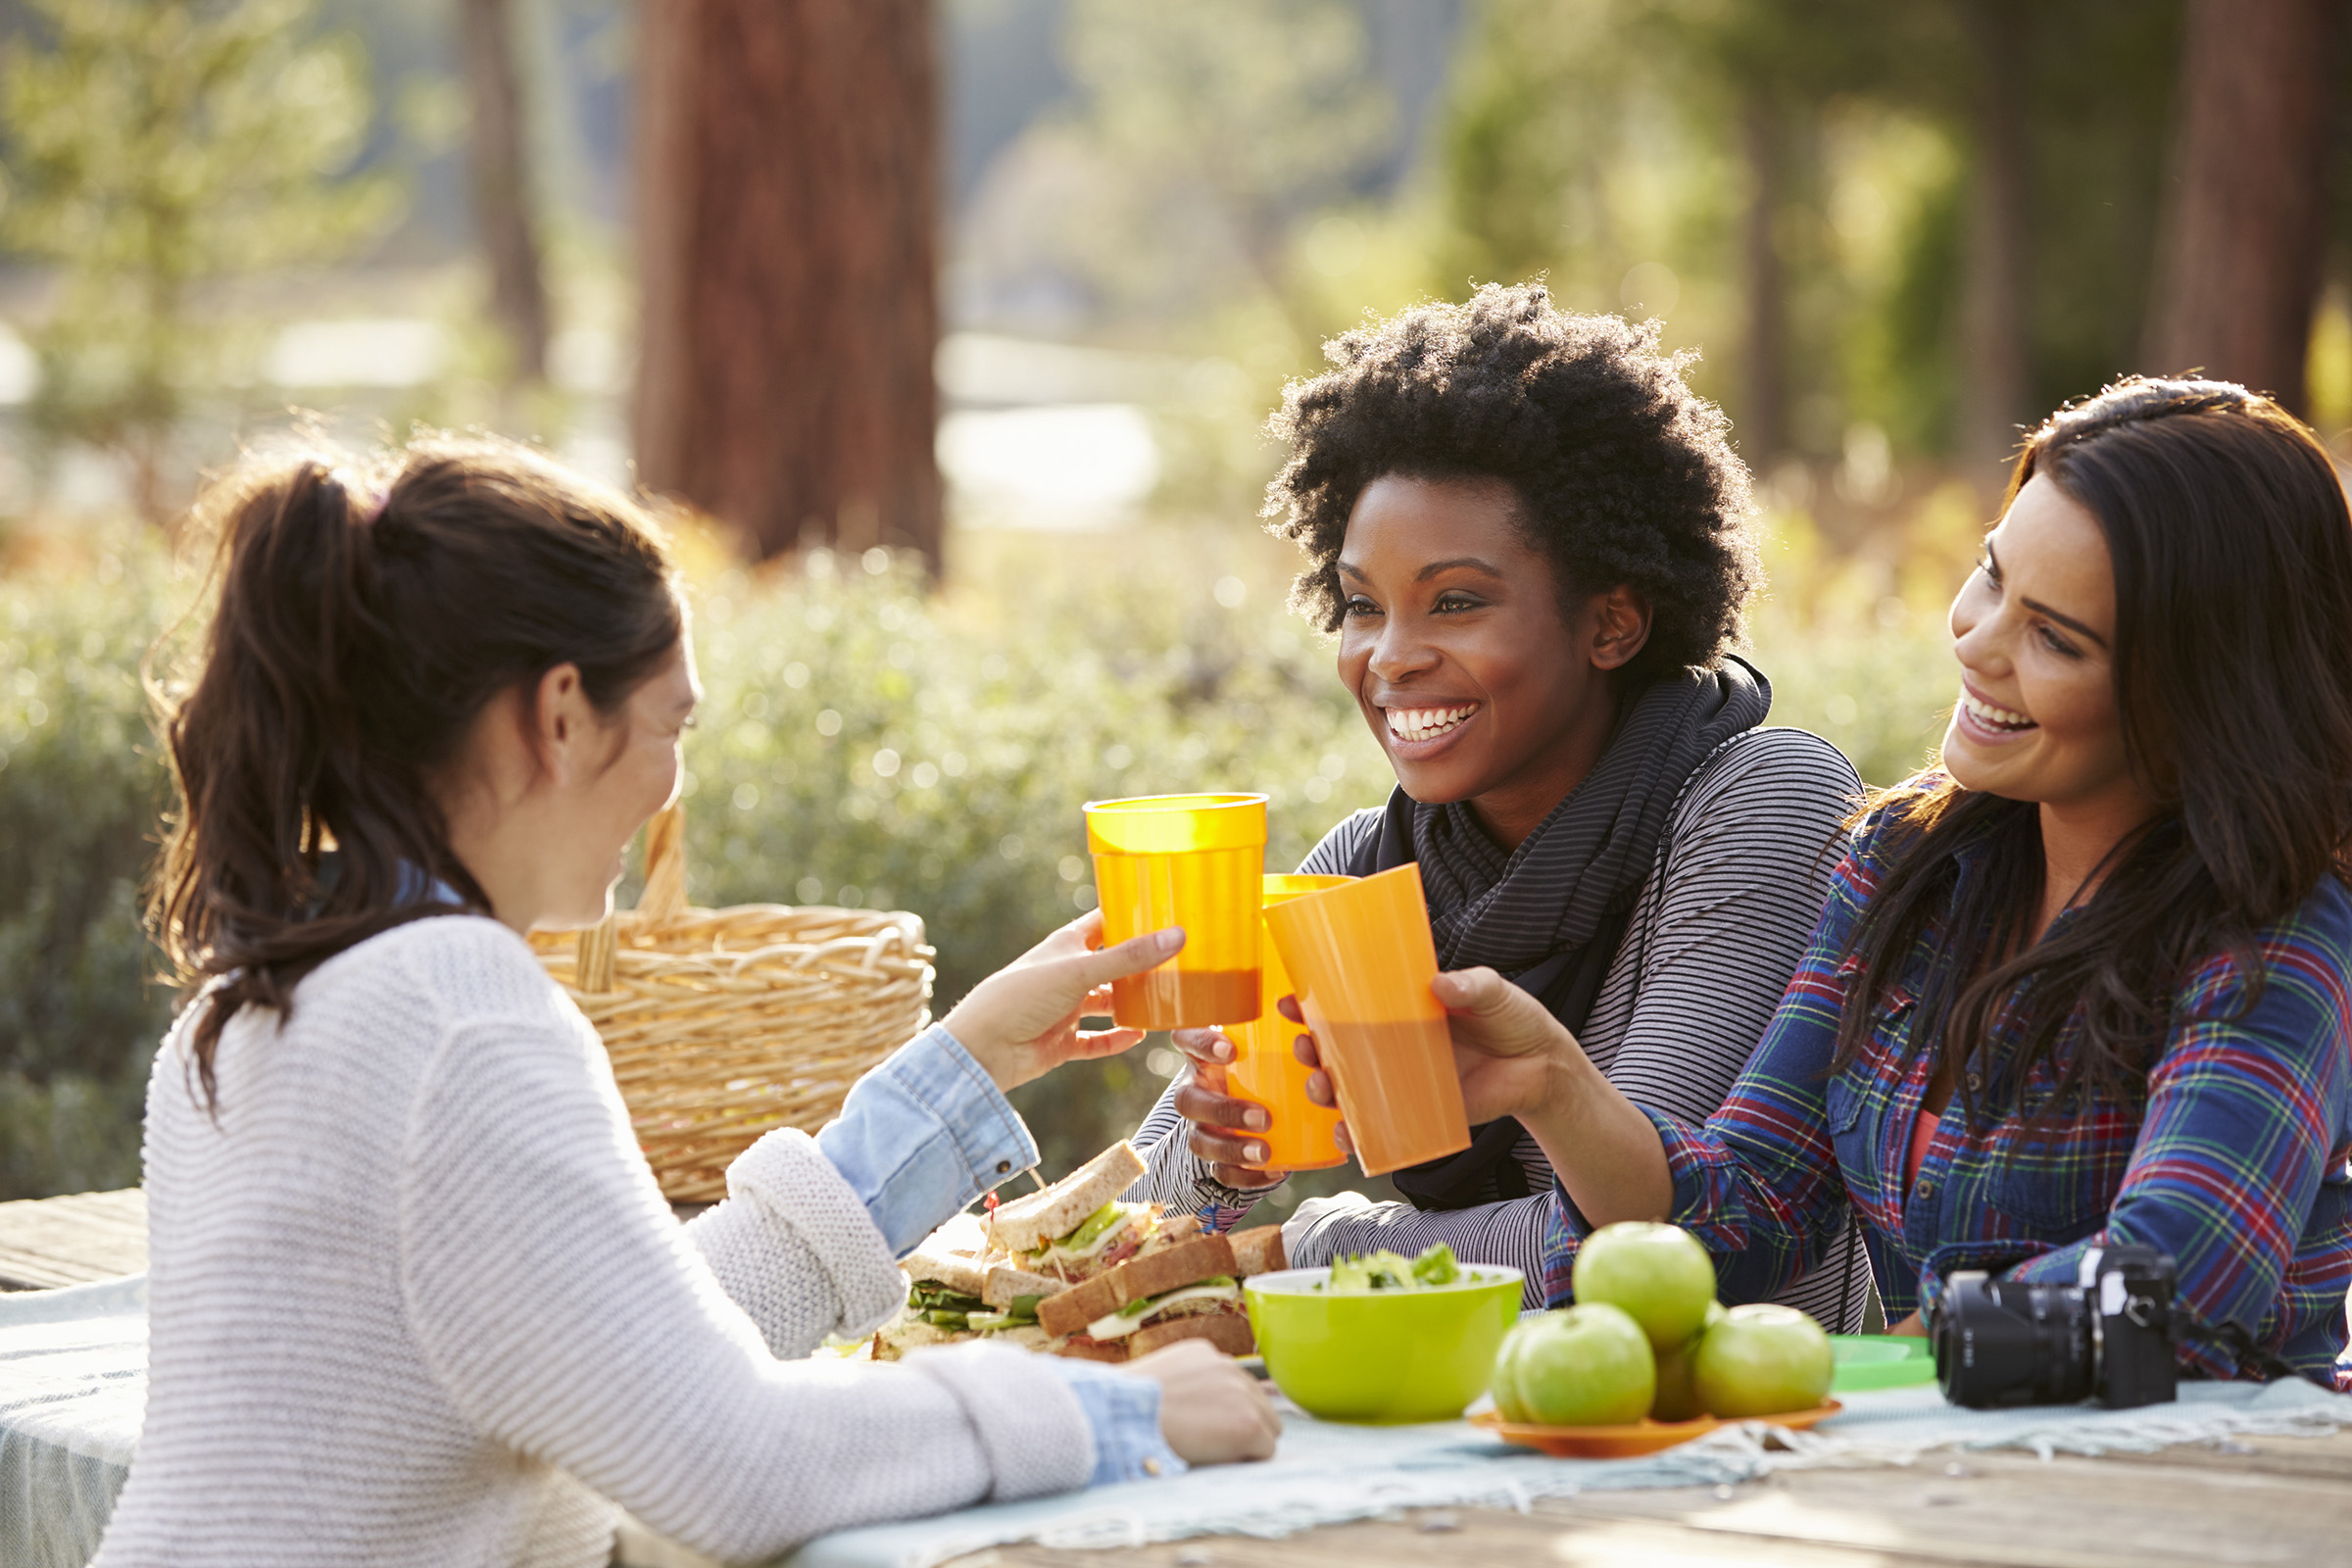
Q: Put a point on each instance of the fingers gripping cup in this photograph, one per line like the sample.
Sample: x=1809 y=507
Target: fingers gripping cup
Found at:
x=1266 y=1069
x=1360 y=958
x=1193 y=861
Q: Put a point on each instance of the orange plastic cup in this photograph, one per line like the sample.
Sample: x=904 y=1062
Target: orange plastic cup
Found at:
x=1266 y=1069
x=1361 y=959
x=1192 y=860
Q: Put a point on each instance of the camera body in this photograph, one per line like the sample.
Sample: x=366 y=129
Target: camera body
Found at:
x=2109 y=1334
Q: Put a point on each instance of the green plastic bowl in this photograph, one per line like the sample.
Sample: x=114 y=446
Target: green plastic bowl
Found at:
x=1385 y=1355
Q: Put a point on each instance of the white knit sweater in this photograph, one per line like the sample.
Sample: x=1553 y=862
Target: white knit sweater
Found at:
x=414 y=1299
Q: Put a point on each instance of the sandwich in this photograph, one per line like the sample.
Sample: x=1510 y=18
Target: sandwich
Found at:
x=1077 y=1228
x=1187 y=1289
x=944 y=1289
x=1075 y=1271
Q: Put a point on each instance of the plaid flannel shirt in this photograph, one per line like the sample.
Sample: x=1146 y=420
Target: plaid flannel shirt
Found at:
x=2235 y=1164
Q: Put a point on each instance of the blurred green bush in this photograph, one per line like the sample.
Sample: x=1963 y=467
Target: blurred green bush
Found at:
x=79 y=796
x=861 y=743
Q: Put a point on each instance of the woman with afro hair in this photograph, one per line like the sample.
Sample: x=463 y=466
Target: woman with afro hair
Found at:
x=1534 y=542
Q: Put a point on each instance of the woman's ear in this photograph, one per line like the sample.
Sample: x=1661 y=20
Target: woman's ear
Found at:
x=1619 y=627
x=561 y=727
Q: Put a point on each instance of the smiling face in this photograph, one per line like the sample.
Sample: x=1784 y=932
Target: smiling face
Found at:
x=1454 y=640
x=2033 y=629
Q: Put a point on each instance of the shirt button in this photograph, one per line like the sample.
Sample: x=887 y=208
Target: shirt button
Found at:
x=1925 y=1190
x=1151 y=1467
x=1004 y=1165
x=1975 y=1082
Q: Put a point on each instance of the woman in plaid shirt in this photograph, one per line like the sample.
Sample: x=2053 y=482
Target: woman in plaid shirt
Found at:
x=2087 y=983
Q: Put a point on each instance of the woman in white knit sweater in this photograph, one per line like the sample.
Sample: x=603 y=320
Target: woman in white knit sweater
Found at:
x=414 y=1296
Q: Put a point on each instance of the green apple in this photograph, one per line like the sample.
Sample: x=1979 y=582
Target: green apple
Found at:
x=1677 y=1399
x=1659 y=1273
x=1590 y=1365
x=1505 y=1382
x=1763 y=1359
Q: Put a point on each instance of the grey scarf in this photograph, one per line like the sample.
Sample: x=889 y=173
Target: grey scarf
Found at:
x=1551 y=914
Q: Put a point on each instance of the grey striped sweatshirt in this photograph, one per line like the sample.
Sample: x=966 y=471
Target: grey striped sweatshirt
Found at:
x=1739 y=882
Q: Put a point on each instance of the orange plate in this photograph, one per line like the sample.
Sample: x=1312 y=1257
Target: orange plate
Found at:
x=1637 y=1436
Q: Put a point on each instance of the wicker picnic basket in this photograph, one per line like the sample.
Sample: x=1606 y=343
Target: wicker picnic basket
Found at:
x=724 y=1024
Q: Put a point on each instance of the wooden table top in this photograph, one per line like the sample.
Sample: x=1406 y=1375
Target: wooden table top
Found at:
x=48 y=1242
x=2252 y=1501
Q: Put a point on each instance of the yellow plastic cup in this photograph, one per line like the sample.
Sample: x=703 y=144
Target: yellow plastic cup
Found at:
x=1266 y=1069
x=1360 y=958
x=1192 y=860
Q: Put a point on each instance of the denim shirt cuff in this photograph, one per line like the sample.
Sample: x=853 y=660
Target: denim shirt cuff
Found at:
x=1124 y=1411
x=922 y=1135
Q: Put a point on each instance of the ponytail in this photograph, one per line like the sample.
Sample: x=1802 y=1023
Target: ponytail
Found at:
x=359 y=632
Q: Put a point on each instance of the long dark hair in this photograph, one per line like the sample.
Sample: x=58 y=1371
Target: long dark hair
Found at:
x=2233 y=553
x=364 y=620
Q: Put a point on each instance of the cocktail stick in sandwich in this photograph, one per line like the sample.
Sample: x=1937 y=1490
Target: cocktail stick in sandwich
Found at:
x=1189 y=1289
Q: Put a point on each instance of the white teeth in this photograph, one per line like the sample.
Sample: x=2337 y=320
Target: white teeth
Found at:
x=1994 y=716
x=1420 y=723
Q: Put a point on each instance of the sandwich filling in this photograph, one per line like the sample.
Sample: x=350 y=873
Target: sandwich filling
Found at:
x=1219 y=1292
x=1103 y=1240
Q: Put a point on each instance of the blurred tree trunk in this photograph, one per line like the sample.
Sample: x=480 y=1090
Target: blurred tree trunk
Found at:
x=1763 y=428
x=2239 y=249
x=1994 y=388
x=502 y=189
x=789 y=203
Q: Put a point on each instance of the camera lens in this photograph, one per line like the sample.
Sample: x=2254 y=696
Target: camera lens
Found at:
x=2000 y=1343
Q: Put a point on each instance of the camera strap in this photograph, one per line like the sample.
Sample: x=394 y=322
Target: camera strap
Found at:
x=2239 y=1343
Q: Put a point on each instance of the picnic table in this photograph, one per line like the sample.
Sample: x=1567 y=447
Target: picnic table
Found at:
x=2245 y=1501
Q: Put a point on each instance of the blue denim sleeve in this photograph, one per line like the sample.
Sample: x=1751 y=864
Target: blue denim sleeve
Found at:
x=922 y=1135
x=1124 y=1411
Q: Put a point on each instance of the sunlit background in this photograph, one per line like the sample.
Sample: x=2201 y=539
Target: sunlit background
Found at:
x=1008 y=375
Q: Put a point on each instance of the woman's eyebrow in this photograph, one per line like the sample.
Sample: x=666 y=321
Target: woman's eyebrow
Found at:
x=1431 y=571
x=2040 y=608
x=2069 y=621
x=1471 y=562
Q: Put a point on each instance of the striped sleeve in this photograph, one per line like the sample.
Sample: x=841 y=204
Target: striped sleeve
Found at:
x=1747 y=870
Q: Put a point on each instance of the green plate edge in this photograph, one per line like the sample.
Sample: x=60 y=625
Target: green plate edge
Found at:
x=1912 y=1366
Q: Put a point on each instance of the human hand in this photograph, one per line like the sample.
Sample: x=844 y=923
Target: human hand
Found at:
x=1022 y=1021
x=1211 y=1410
x=1219 y=1119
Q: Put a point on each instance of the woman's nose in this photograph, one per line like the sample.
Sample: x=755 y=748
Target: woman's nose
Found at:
x=1399 y=652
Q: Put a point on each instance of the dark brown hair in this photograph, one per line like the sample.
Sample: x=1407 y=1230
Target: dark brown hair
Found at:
x=363 y=621
x=2232 y=552
x=1623 y=473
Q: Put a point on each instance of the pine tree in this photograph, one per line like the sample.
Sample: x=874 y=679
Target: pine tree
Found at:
x=156 y=148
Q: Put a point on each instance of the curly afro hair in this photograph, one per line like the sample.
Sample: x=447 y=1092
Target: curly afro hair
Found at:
x=1624 y=475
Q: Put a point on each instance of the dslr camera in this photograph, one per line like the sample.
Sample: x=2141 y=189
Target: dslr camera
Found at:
x=2111 y=1333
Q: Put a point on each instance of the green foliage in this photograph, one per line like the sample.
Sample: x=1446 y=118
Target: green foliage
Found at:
x=1587 y=137
x=156 y=147
x=79 y=795
x=1219 y=124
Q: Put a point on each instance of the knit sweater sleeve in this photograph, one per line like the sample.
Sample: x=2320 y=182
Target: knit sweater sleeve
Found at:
x=565 y=1314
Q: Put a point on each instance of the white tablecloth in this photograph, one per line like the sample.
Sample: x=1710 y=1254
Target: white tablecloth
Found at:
x=73 y=1388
